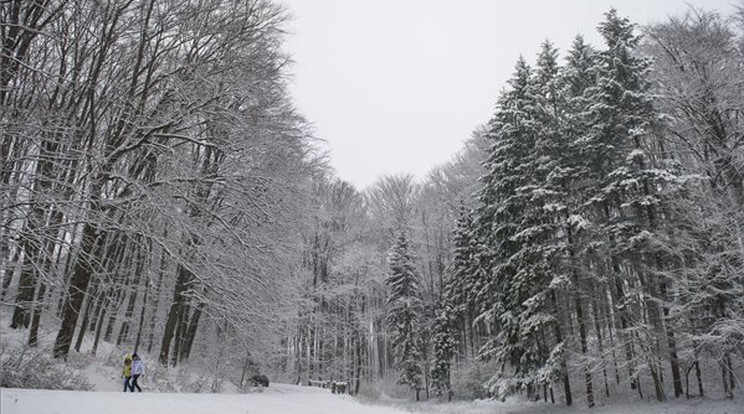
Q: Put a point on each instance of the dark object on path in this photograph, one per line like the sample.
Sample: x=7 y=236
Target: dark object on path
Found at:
x=259 y=380
x=339 y=387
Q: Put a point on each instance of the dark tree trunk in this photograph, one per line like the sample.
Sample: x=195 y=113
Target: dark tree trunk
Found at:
x=141 y=323
x=26 y=287
x=86 y=316
x=10 y=268
x=727 y=376
x=33 y=334
x=96 y=312
x=658 y=387
x=610 y=324
x=580 y=319
x=158 y=289
x=68 y=270
x=181 y=327
x=672 y=344
x=619 y=299
x=559 y=339
x=600 y=345
x=584 y=350
x=118 y=300
x=177 y=303
x=699 y=376
x=358 y=372
x=76 y=291
x=125 y=326
x=190 y=333
x=99 y=324
x=651 y=349
x=118 y=267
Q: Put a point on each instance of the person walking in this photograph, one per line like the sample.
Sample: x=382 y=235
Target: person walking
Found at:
x=126 y=372
x=138 y=369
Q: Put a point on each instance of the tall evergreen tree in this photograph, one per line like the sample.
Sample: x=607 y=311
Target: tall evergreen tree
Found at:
x=444 y=348
x=628 y=200
x=567 y=179
x=403 y=313
x=462 y=284
x=513 y=223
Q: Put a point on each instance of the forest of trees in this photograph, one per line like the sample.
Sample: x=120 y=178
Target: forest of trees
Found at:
x=160 y=192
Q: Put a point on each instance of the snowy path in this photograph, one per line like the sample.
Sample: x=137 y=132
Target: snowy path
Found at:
x=290 y=399
x=277 y=399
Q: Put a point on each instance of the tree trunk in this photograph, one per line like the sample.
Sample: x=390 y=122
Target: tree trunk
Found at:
x=619 y=299
x=99 y=324
x=76 y=291
x=181 y=328
x=190 y=333
x=9 y=270
x=184 y=278
x=727 y=376
x=158 y=289
x=609 y=322
x=86 y=317
x=699 y=376
x=33 y=334
x=125 y=326
x=671 y=343
x=26 y=287
x=358 y=373
x=584 y=351
x=564 y=368
x=96 y=311
x=113 y=314
x=600 y=346
x=142 y=316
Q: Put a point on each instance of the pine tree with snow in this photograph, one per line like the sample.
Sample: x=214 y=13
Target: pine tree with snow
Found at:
x=631 y=187
x=505 y=202
x=445 y=344
x=568 y=178
x=544 y=252
x=453 y=324
x=463 y=282
x=404 y=312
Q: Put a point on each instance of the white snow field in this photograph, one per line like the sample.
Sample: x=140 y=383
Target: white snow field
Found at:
x=291 y=399
x=277 y=399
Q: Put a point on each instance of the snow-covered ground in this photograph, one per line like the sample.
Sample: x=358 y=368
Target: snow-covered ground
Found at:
x=278 y=399
x=166 y=393
x=291 y=399
x=516 y=406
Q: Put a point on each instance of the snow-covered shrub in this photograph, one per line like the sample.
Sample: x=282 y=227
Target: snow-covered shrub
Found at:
x=468 y=380
x=27 y=367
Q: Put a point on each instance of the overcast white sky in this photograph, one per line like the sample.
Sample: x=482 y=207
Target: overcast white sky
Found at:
x=396 y=86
